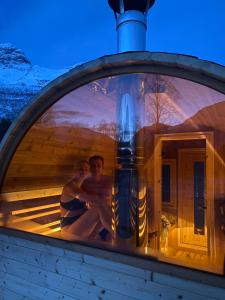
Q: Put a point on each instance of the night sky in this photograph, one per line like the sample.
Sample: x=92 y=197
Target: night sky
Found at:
x=61 y=33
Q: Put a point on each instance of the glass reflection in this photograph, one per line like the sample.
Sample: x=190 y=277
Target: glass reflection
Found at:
x=156 y=187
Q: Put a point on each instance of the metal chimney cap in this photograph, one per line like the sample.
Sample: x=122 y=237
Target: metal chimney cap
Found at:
x=139 y=5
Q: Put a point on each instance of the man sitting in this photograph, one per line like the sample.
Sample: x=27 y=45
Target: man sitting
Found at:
x=98 y=188
x=96 y=191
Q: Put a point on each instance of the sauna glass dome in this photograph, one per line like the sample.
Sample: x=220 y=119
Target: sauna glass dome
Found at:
x=163 y=143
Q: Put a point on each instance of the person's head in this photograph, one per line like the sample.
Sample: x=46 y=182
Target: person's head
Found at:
x=96 y=164
x=83 y=168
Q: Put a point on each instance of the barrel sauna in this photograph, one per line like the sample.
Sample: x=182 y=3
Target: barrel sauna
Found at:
x=157 y=119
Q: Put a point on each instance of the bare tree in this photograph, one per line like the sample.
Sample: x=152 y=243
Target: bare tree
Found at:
x=161 y=107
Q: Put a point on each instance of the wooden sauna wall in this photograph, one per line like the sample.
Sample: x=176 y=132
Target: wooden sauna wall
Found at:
x=46 y=156
x=42 y=164
x=30 y=269
x=219 y=194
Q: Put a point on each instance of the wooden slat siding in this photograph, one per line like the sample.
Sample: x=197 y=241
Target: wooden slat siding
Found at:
x=61 y=134
x=34 y=158
x=35 y=292
x=35 y=171
x=25 y=208
x=64 y=152
x=67 y=158
x=15 y=184
x=82 y=139
x=198 y=288
x=6 y=294
x=48 y=158
x=60 y=149
x=49 y=154
x=50 y=250
x=103 y=276
x=32 y=194
x=131 y=286
x=71 y=140
x=40 y=170
x=41 y=176
x=38 y=147
x=43 y=211
x=117 y=267
x=51 y=231
x=90 y=259
x=37 y=229
x=34 y=208
x=80 y=253
x=23 y=183
x=63 y=149
x=58 y=283
x=33 y=203
x=36 y=215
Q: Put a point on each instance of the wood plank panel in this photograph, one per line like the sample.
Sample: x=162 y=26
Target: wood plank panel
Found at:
x=112 y=280
x=35 y=292
x=22 y=183
x=32 y=194
x=60 y=150
x=6 y=294
x=47 y=154
x=198 y=288
x=70 y=158
x=41 y=147
x=65 y=285
x=26 y=170
x=42 y=247
x=66 y=134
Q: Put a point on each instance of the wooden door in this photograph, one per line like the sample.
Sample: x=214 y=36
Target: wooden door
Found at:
x=192 y=199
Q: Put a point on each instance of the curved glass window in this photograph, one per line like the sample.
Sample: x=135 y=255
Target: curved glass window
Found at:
x=130 y=162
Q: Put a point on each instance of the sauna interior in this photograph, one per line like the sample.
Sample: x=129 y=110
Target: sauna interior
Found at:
x=179 y=149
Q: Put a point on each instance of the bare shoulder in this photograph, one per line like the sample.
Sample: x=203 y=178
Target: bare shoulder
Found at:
x=70 y=190
x=68 y=186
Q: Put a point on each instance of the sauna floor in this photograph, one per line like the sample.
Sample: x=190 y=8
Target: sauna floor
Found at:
x=188 y=258
x=187 y=255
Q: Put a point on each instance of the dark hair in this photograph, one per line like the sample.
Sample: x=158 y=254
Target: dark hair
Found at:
x=94 y=157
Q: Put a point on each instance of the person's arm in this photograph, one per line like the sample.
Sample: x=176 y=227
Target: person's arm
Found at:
x=87 y=195
x=103 y=196
x=106 y=191
x=70 y=190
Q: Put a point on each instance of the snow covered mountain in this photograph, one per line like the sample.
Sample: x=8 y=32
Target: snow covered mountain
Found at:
x=20 y=81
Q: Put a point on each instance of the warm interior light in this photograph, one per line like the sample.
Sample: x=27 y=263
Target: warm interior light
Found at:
x=51 y=231
x=21 y=211
x=37 y=228
x=31 y=217
x=32 y=194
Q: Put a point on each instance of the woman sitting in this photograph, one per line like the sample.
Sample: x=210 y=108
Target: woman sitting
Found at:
x=79 y=221
x=71 y=206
